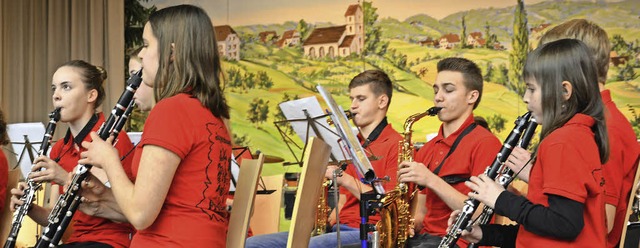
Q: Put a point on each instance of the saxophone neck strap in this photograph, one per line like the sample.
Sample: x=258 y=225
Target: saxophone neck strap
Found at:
x=453 y=147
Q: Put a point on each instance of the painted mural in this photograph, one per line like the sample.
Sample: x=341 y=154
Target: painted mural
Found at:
x=280 y=50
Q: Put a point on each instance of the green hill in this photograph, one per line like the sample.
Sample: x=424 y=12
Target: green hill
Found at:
x=296 y=75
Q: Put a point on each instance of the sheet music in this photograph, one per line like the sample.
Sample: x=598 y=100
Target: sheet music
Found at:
x=293 y=110
x=35 y=133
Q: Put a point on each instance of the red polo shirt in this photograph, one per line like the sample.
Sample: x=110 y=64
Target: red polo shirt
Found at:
x=568 y=165
x=475 y=152
x=194 y=212
x=620 y=170
x=88 y=228
x=385 y=148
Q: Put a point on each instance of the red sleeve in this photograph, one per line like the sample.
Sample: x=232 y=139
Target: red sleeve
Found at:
x=165 y=127
x=565 y=172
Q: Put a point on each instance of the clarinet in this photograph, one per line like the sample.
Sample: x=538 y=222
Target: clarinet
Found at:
x=506 y=176
x=32 y=187
x=66 y=206
x=470 y=205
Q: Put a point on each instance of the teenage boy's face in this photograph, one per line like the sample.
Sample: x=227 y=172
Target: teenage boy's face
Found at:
x=533 y=98
x=365 y=105
x=451 y=94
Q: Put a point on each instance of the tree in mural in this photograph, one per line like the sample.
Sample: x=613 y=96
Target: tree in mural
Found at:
x=303 y=29
x=373 y=43
x=496 y=123
x=491 y=38
x=258 y=111
x=463 y=36
x=520 y=48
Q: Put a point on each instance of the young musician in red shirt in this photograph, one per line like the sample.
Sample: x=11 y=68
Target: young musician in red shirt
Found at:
x=564 y=206
x=440 y=167
x=619 y=171
x=77 y=90
x=182 y=161
x=370 y=93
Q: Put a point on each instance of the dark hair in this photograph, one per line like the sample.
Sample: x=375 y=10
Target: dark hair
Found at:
x=481 y=121
x=591 y=34
x=92 y=76
x=379 y=81
x=471 y=74
x=567 y=60
x=4 y=137
x=193 y=65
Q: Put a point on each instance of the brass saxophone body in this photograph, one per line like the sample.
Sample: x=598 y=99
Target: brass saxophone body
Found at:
x=322 y=215
x=396 y=213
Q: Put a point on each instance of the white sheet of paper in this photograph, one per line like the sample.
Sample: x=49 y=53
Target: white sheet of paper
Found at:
x=35 y=132
x=293 y=110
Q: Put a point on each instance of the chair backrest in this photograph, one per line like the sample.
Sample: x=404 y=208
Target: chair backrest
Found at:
x=268 y=221
x=632 y=197
x=306 y=204
x=243 y=201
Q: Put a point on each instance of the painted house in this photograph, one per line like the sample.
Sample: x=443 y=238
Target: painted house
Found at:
x=449 y=41
x=341 y=40
x=475 y=40
x=289 y=38
x=268 y=37
x=228 y=42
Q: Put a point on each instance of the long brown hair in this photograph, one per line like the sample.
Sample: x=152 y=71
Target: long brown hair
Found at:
x=568 y=60
x=192 y=65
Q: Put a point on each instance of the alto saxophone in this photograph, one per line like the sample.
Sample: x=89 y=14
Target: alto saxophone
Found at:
x=396 y=220
x=322 y=215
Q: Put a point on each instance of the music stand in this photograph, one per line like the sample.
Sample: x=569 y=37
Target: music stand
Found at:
x=307 y=119
x=237 y=152
x=22 y=136
x=370 y=200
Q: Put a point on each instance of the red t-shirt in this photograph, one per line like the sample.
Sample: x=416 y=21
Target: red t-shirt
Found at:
x=4 y=177
x=88 y=228
x=475 y=152
x=193 y=213
x=620 y=170
x=568 y=165
x=385 y=148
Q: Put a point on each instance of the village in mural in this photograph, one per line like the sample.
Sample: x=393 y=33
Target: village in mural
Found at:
x=269 y=63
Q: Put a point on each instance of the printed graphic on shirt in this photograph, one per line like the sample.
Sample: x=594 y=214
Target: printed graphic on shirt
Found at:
x=219 y=157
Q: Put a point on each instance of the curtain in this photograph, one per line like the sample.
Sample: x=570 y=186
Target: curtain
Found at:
x=37 y=36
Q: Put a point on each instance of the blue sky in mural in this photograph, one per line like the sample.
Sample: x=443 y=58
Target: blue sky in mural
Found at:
x=248 y=12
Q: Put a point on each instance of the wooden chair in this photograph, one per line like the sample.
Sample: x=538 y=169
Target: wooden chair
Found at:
x=268 y=221
x=243 y=201
x=305 y=206
x=632 y=196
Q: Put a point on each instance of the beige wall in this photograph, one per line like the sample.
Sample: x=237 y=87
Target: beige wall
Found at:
x=36 y=36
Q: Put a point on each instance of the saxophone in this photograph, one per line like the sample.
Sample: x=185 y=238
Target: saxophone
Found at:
x=396 y=220
x=322 y=215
